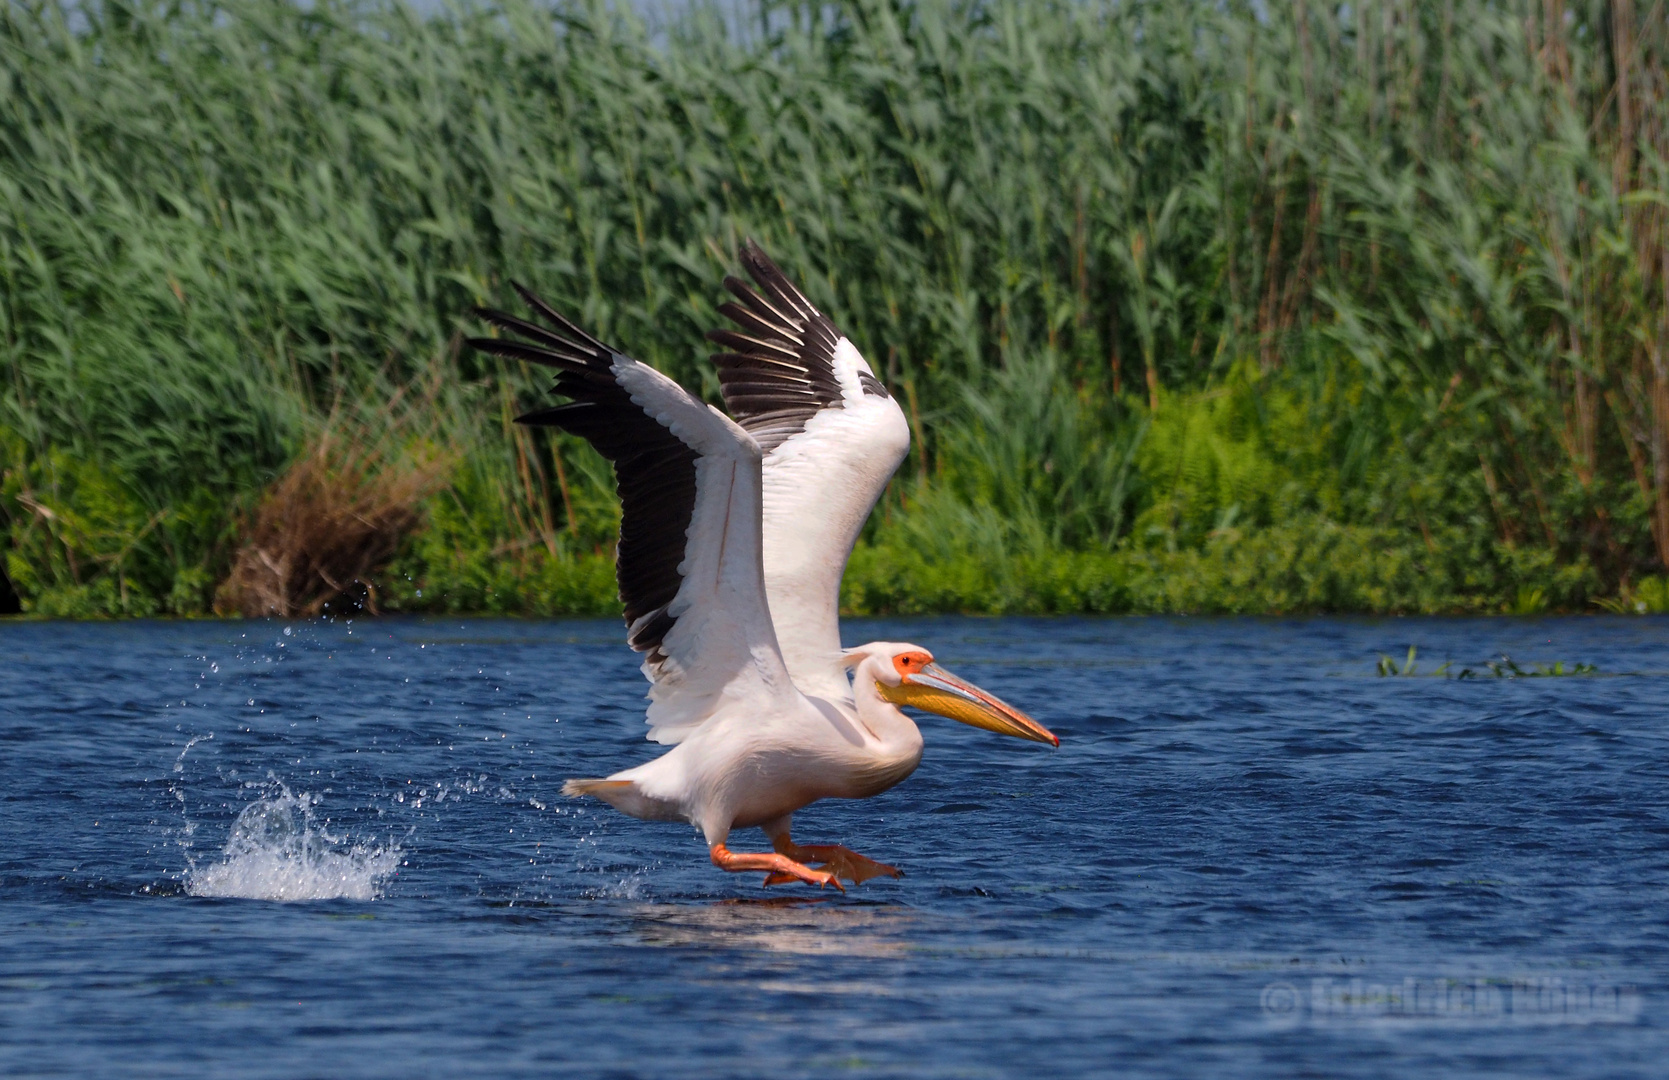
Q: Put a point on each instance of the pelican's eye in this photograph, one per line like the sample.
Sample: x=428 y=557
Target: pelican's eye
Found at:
x=910 y=663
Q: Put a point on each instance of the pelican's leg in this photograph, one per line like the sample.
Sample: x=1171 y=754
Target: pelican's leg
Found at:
x=778 y=868
x=843 y=862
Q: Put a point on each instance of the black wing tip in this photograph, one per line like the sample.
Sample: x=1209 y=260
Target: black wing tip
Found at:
x=768 y=275
x=498 y=318
x=742 y=291
x=558 y=321
x=770 y=278
x=509 y=348
x=758 y=262
x=654 y=469
x=503 y=348
x=554 y=415
x=532 y=299
x=780 y=354
x=651 y=630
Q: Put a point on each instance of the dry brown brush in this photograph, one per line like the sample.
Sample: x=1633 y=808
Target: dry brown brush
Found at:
x=323 y=530
x=339 y=513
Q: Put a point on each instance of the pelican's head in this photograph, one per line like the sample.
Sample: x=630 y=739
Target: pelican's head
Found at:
x=907 y=675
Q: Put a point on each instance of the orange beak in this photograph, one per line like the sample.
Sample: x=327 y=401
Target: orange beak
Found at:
x=935 y=690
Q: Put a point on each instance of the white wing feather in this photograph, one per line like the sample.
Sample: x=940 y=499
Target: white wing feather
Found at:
x=690 y=556
x=820 y=486
x=722 y=646
x=833 y=437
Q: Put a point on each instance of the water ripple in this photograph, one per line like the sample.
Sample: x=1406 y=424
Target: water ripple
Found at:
x=1250 y=857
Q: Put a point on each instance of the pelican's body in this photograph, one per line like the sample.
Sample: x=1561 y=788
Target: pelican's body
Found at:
x=734 y=536
x=754 y=766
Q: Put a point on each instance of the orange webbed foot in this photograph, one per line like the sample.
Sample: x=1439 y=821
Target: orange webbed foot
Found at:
x=818 y=878
x=780 y=868
x=843 y=862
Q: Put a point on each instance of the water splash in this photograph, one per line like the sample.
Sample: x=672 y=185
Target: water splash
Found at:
x=629 y=887
x=277 y=852
x=179 y=762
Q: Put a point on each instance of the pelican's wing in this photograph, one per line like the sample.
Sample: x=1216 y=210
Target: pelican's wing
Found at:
x=689 y=553
x=832 y=438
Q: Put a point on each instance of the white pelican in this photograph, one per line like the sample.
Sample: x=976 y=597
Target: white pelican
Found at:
x=733 y=538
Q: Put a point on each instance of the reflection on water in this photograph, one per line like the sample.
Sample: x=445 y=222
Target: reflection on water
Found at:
x=799 y=926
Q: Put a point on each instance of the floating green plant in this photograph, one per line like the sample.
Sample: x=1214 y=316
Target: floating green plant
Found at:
x=1388 y=666
x=1505 y=668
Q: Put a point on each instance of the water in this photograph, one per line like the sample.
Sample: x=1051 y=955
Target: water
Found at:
x=267 y=850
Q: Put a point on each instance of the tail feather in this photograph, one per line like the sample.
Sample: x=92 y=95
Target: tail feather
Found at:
x=578 y=788
x=626 y=797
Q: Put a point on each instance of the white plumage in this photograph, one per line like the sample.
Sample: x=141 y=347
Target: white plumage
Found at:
x=721 y=650
x=831 y=474
x=734 y=537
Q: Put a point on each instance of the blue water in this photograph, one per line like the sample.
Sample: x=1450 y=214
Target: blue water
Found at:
x=1249 y=857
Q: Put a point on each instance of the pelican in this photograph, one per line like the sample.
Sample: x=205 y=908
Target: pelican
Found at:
x=734 y=535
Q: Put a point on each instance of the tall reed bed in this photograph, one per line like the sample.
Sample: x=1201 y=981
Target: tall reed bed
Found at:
x=1191 y=307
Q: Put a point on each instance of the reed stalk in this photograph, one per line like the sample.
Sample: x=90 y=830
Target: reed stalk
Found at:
x=1161 y=284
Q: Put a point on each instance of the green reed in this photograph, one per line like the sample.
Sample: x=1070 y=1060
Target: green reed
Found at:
x=1191 y=309
x=1505 y=668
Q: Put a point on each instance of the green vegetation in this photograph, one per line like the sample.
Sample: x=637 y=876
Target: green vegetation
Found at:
x=1334 y=308
x=1505 y=668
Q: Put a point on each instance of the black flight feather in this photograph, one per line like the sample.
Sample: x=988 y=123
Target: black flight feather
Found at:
x=780 y=370
x=654 y=469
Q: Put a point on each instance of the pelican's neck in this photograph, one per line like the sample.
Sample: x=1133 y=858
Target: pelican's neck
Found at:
x=880 y=716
